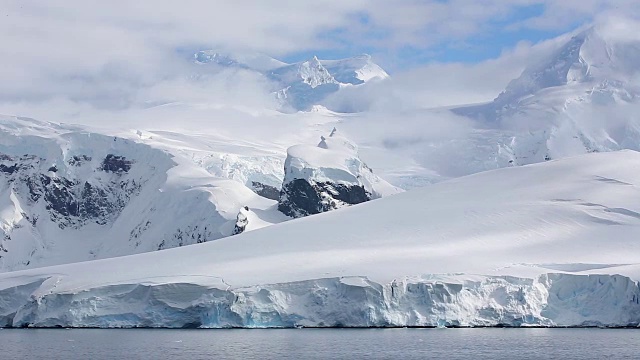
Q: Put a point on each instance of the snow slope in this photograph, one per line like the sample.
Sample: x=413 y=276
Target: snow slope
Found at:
x=61 y=202
x=68 y=194
x=549 y=244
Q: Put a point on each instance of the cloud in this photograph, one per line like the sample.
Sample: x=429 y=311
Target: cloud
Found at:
x=564 y=14
x=111 y=54
x=119 y=54
x=425 y=23
x=444 y=84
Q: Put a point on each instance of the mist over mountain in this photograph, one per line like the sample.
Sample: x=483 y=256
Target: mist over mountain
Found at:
x=301 y=85
x=301 y=191
x=582 y=98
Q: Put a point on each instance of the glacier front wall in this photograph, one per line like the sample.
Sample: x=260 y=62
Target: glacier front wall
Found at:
x=548 y=300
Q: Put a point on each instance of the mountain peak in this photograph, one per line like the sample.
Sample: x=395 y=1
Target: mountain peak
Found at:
x=314 y=73
x=299 y=85
x=599 y=53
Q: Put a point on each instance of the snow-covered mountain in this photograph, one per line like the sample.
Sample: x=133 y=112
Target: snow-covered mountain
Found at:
x=551 y=244
x=583 y=98
x=301 y=85
x=75 y=193
x=327 y=177
x=68 y=194
x=517 y=246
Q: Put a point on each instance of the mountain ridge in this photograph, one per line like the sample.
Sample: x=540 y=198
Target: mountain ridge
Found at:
x=550 y=244
x=582 y=98
x=589 y=60
x=300 y=85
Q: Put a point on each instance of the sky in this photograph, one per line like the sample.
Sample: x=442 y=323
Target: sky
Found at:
x=491 y=39
x=70 y=57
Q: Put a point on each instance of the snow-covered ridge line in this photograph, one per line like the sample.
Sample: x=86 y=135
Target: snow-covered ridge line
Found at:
x=299 y=86
x=71 y=194
x=354 y=70
x=549 y=300
x=581 y=98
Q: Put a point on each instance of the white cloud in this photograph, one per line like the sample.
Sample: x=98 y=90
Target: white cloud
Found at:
x=110 y=53
x=118 y=54
x=445 y=84
x=566 y=13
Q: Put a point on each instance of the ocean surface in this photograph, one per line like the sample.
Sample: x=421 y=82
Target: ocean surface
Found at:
x=321 y=344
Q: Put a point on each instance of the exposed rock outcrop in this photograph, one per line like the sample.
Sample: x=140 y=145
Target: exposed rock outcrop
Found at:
x=264 y=190
x=242 y=220
x=327 y=177
x=71 y=202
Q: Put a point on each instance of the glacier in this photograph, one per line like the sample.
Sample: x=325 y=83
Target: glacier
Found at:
x=550 y=244
x=550 y=300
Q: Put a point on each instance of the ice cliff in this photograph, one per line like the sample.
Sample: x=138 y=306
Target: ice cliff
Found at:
x=547 y=300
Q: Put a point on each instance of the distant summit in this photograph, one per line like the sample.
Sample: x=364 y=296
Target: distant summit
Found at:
x=300 y=86
x=600 y=57
x=314 y=74
x=584 y=97
x=591 y=57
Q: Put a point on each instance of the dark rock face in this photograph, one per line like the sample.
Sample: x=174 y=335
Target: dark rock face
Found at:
x=300 y=198
x=241 y=221
x=8 y=169
x=71 y=202
x=265 y=191
x=190 y=235
x=79 y=160
x=114 y=163
x=238 y=229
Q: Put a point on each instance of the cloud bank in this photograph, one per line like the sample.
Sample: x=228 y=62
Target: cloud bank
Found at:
x=67 y=58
